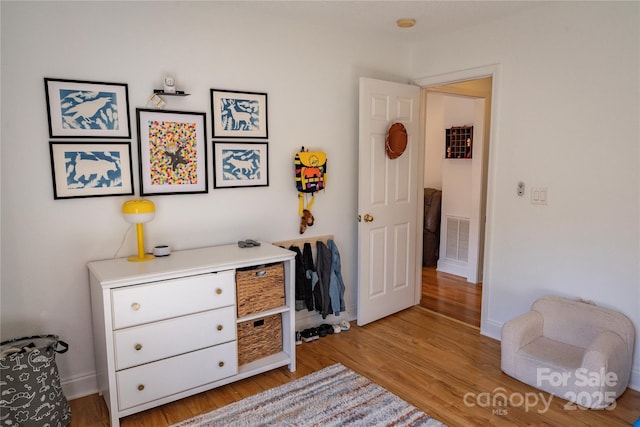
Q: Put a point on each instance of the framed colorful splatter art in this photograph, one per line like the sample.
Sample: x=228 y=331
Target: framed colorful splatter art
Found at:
x=89 y=169
x=81 y=109
x=172 y=152
x=241 y=164
x=239 y=114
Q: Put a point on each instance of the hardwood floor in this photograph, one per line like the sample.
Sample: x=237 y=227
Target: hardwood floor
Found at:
x=451 y=296
x=441 y=366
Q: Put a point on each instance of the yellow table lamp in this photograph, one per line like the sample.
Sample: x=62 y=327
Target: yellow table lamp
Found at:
x=138 y=212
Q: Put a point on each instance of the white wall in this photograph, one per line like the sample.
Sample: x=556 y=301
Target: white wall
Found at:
x=310 y=76
x=567 y=107
x=567 y=117
x=434 y=141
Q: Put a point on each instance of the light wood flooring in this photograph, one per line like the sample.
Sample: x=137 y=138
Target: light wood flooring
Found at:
x=440 y=365
x=451 y=296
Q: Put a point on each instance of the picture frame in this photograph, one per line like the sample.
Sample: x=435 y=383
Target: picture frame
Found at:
x=241 y=164
x=237 y=114
x=90 y=169
x=172 y=152
x=86 y=109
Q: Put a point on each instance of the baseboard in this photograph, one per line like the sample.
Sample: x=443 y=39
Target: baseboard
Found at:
x=311 y=319
x=80 y=386
x=453 y=267
x=491 y=329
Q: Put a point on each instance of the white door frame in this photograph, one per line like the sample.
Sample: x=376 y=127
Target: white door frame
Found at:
x=493 y=70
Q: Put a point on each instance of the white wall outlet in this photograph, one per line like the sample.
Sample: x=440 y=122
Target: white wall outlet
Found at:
x=540 y=195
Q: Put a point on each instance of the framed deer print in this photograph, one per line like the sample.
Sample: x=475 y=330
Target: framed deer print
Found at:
x=172 y=152
x=239 y=114
x=241 y=164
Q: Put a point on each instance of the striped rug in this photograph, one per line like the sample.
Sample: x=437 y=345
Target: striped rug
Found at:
x=334 y=396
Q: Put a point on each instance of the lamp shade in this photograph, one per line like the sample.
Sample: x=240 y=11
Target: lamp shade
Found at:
x=138 y=211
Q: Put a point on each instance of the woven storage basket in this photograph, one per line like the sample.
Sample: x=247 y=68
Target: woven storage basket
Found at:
x=260 y=288
x=259 y=338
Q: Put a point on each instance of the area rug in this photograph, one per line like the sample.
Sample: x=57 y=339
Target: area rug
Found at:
x=334 y=396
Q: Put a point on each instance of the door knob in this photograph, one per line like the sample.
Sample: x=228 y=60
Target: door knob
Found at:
x=368 y=218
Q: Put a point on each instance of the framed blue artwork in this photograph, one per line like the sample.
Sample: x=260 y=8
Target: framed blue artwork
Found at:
x=241 y=164
x=239 y=114
x=81 y=109
x=90 y=169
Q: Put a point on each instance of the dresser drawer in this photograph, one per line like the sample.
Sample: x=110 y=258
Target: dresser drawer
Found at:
x=153 y=381
x=147 y=303
x=159 y=340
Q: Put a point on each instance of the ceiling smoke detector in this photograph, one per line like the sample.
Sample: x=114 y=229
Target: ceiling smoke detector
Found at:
x=405 y=23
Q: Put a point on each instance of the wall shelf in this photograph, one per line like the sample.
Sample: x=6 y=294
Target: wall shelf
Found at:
x=177 y=93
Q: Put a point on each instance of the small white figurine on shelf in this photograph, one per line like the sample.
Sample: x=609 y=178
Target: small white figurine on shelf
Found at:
x=169 y=84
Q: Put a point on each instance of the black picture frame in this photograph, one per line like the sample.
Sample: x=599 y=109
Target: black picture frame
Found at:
x=90 y=169
x=87 y=109
x=240 y=164
x=172 y=152
x=239 y=114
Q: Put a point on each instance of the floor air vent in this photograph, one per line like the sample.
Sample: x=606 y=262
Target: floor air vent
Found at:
x=457 y=248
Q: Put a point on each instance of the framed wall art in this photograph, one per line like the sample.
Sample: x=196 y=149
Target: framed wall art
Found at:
x=241 y=164
x=89 y=169
x=81 y=109
x=172 y=152
x=239 y=114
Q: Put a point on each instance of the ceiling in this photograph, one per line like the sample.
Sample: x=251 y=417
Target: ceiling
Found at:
x=378 y=18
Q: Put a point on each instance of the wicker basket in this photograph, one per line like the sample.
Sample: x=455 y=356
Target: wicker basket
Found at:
x=259 y=338
x=260 y=288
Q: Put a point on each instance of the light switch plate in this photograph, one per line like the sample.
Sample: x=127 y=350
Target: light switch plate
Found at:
x=540 y=195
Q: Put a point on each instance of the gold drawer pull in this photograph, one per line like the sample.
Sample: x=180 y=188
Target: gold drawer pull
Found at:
x=141 y=387
x=138 y=347
x=219 y=327
x=135 y=306
x=218 y=291
x=221 y=364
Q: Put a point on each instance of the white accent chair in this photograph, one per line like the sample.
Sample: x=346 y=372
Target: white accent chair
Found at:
x=572 y=349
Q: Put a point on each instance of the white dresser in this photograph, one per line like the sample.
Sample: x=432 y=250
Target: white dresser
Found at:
x=167 y=329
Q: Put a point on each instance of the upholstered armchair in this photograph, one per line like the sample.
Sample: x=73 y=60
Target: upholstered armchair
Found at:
x=431 y=227
x=572 y=349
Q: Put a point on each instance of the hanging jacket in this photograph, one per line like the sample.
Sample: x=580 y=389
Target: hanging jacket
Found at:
x=323 y=267
x=309 y=273
x=336 y=283
x=300 y=278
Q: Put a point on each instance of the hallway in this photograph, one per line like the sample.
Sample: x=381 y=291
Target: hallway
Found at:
x=451 y=296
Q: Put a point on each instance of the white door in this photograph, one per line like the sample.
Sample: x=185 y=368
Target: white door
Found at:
x=387 y=201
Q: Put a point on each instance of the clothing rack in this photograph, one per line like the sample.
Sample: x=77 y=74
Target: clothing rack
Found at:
x=300 y=242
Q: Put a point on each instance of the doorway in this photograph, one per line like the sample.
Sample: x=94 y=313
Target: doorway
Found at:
x=454 y=287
